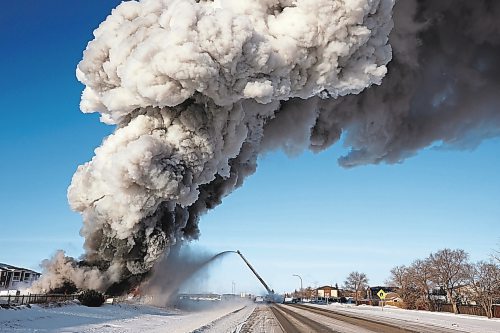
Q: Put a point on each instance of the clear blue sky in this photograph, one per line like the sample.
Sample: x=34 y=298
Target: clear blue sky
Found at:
x=304 y=215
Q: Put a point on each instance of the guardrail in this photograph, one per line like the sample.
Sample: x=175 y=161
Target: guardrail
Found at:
x=34 y=299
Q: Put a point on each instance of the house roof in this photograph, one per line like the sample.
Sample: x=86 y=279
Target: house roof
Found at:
x=385 y=288
x=6 y=267
x=392 y=295
x=325 y=287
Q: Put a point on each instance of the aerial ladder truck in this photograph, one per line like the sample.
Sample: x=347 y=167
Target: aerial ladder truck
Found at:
x=271 y=296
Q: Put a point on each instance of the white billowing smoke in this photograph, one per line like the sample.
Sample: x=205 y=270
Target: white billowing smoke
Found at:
x=156 y=53
x=190 y=86
x=61 y=270
x=198 y=89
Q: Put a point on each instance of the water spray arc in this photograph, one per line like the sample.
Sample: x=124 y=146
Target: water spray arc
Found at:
x=218 y=255
x=179 y=270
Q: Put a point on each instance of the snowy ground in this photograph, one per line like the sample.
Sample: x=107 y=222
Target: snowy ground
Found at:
x=463 y=323
x=220 y=317
x=213 y=317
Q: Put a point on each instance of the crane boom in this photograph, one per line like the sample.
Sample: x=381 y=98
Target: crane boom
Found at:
x=257 y=275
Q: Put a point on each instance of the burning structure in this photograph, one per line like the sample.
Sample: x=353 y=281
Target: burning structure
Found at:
x=198 y=89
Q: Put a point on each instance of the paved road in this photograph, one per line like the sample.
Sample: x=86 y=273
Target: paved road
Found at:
x=293 y=322
x=301 y=318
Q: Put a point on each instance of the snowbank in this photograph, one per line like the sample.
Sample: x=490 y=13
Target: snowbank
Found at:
x=465 y=323
x=110 y=318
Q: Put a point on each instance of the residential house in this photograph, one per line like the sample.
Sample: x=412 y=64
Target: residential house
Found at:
x=12 y=277
x=371 y=292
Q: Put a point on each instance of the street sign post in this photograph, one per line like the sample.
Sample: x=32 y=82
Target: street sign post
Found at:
x=381 y=294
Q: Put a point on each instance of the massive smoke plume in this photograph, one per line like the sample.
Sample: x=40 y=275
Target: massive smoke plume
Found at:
x=197 y=89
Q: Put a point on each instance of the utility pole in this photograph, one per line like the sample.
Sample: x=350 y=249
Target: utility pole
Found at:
x=301 y=295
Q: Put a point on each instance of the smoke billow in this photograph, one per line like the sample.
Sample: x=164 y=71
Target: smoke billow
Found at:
x=441 y=88
x=197 y=89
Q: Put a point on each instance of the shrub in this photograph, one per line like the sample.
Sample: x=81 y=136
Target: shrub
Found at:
x=91 y=298
x=66 y=288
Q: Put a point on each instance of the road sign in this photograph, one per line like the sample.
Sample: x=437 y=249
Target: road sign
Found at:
x=381 y=294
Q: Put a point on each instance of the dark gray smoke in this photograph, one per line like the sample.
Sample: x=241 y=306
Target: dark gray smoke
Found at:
x=198 y=89
x=441 y=88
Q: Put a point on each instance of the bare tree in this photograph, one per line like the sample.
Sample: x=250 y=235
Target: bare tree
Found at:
x=421 y=272
x=401 y=278
x=415 y=284
x=496 y=255
x=308 y=292
x=485 y=285
x=356 y=281
x=450 y=269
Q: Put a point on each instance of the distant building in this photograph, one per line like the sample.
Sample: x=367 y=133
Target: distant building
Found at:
x=371 y=292
x=438 y=295
x=327 y=292
x=12 y=277
x=203 y=297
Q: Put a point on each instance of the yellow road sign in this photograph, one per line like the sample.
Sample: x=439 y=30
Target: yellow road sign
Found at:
x=381 y=294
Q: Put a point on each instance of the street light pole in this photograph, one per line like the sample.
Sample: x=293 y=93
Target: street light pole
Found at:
x=300 y=285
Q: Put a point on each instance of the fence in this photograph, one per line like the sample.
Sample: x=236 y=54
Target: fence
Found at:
x=496 y=311
x=34 y=299
x=376 y=302
x=474 y=310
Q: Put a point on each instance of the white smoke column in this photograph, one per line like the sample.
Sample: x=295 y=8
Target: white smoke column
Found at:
x=61 y=270
x=190 y=86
